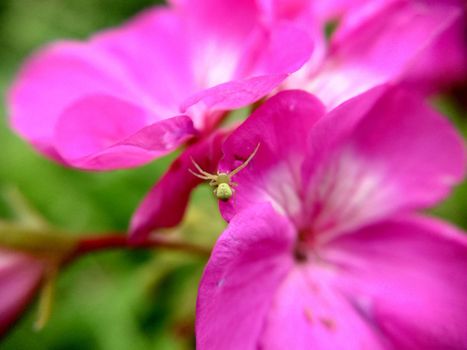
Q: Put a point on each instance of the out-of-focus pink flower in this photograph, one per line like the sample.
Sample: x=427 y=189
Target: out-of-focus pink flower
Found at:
x=131 y=94
x=322 y=250
x=443 y=64
x=421 y=42
x=20 y=276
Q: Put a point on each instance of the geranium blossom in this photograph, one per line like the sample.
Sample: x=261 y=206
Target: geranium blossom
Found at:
x=323 y=250
x=366 y=50
x=419 y=42
x=20 y=277
x=134 y=93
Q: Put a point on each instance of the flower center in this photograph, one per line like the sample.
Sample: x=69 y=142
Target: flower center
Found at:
x=302 y=247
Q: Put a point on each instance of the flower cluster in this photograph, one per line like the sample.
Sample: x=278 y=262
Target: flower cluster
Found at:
x=325 y=246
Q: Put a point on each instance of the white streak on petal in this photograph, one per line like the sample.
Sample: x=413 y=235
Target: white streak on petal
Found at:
x=215 y=65
x=334 y=84
x=346 y=193
x=282 y=186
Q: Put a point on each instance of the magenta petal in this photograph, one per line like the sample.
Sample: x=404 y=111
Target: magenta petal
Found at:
x=264 y=64
x=247 y=265
x=203 y=56
x=102 y=133
x=285 y=9
x=213 y=20
x=281 y=126
x=444 y=63
x=19 y=279
x=374 y=51
x=342 y=9
x=407 y=277
x=235 y=94
x=129 y=64
x=165 y=204
x=377 y=154
x=307 y=313
x=153 y=49
x=236 y=59
x=54 y=78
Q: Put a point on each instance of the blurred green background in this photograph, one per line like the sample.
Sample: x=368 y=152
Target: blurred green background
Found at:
x=113 y=300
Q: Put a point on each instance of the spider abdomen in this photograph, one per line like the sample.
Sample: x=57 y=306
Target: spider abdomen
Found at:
x=223 y=192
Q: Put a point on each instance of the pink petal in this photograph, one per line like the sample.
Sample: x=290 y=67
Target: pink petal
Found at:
x=280 y=126
x=263 y=65
x=237 y=60
x=307 y=313
x=234 y=60
x=301 y=14
x=153 y=64
x=339 y=9
x=214 y=21
x=101 y=132
x=19 y=279
x=407 y=277
x=285 y=9
x=374 y=51
x=165 y=204
x=129 y=64
x=351 y=13
x=381 y=152
x=235 y=94
x=444 y=63
x=54 y=78
x=153 y=49
x=247 y=265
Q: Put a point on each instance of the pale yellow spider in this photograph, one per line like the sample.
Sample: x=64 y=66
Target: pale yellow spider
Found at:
x=222 y=182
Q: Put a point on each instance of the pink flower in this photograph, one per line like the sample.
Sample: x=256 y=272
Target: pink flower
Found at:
x=20 y=277
x=419 y=42
x=323 y=250
x=134 y=93
x=366 y=50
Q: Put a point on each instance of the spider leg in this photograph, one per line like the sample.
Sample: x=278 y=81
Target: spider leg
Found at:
x=233 y=184
x=245 y=163
x=213 y=182
x=203 y=177
x=205 y=173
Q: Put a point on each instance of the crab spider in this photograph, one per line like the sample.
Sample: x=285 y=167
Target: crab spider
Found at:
x=222 y=182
